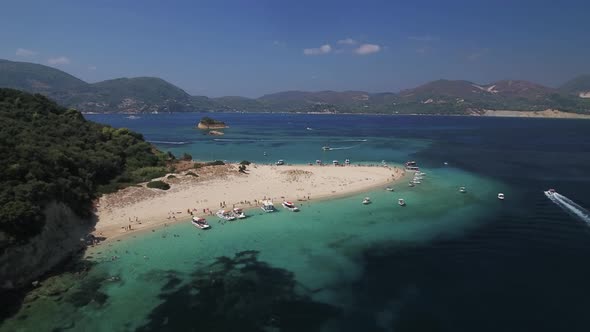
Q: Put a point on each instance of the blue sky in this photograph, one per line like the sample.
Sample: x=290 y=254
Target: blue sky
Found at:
x=251 y=48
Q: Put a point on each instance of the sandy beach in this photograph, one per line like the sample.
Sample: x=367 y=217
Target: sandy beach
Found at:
x=553 y=114
x=218 y=187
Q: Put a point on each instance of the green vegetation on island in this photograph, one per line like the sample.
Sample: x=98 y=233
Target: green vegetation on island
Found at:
x=50 y=153
x=209 y=123
x=157 y=184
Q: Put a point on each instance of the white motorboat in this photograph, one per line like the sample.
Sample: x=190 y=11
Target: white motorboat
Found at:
x=225 y=215
x=290 y=206
x=239 y=213
x=133 y=117
x=412 y=166
x=411 y=184
x=280 y=162
x=550 y=192
x=389 y=189
x=462 y=190
x=401 y=202
x=267 y=206
x=501 y=196
x=200 y=223
x=416 y=181
x=366 y=200
x=326 y=148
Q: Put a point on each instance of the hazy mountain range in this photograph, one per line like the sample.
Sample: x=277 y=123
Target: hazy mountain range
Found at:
x=151 y=94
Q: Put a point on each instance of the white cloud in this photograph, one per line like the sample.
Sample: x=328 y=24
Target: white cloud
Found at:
x=60 y=60
x=91 y=67
x=324 y=49
x=25 y=53
x=347 y=41
x=278 y=43
x=365 y=49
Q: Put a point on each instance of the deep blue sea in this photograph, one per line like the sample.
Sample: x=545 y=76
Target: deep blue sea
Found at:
x=449 y=262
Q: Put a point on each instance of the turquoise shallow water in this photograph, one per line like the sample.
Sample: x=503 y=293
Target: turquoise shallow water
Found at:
x=444 y=262
x=321 y=246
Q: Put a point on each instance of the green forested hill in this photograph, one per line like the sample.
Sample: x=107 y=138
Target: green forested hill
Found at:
x=151 y=94
x=122 y=95
x=577 y=85
x=52 y=153
x=139 y=94
x=37 y=78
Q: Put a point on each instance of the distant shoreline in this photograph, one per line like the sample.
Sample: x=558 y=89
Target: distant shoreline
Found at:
x=547 y=114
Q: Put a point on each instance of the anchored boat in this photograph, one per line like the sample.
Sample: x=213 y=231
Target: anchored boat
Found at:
x=225 y=215
x=290 y=206
x=267 y=206
x=200 y=223
x=239 y=213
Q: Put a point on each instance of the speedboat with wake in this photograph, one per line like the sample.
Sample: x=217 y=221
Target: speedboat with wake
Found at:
x=200 y=223
x=225 y=215
x=326 y=148
x=550 y=192
x=290 y=206
x=239 y=213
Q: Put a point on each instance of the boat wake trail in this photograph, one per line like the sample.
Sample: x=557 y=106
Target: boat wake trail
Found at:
x=345 y=147
x=167 y=142
x=349 y=140
x=570 y=206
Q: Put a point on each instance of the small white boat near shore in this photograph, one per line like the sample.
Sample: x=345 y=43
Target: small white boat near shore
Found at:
x=200 y=223
x=268 y=206
x=225 y=215
x=290 y=206
x=366 y=200
x=401 y=202
x=389 y=189
x=239 y=213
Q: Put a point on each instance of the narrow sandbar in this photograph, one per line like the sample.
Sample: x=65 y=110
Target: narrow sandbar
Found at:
x=223 y=186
